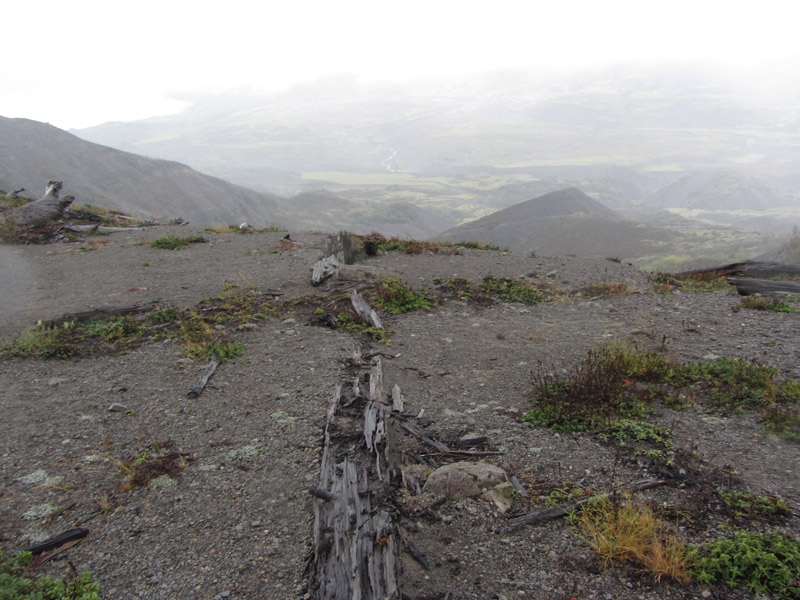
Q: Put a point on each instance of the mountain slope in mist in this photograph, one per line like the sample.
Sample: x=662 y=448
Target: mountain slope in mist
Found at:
x=31 y=153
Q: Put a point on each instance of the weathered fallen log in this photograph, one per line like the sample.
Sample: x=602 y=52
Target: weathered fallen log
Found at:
x=204 y=377
x=324 y=269
x=751 y=268
x=563 y=509
x=747 y=287
x=356 y=544
x=48 y=208
x=104 y=311
x=100 y=228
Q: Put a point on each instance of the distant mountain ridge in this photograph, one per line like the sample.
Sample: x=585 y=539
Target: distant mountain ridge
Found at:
x=568 y=221
x=31 y=153
x=723 y=189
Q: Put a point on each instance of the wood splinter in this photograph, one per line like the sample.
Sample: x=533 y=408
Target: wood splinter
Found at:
x=201 y=383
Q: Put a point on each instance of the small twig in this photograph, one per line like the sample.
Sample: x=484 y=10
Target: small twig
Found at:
x=415 y=552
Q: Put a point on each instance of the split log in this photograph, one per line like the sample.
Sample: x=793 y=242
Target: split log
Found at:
x=364 y=310
x=48 y=208
x=356 y=544
x=204 y=377
x=325 y=269
x=747 y=287
x=563 y=509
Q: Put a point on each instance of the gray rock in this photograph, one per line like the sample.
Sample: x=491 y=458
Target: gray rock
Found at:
x=463 y=479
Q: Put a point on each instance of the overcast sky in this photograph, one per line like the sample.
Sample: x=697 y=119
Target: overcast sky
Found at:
x=78 y=63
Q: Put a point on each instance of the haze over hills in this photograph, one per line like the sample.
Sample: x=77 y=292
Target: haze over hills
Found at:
x=570 y=222
x=463 y=148
x=31 y=153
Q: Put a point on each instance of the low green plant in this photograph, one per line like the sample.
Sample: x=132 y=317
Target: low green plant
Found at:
x=568 y=492
x=355 y=324
x=227 y=351
x=168 y=314
x=511 y=290
x=202 y=341
x=394 y=297
x=764 y=563
x=783 y=416
x=771 y=304
x=591 y=396
x=619 y=381
x=732 y=383
x=172 y=242
x=630 y=431
x=112 y=329
x=478 y=246
x=743 y=504
x=43 y=342
x=19 y=581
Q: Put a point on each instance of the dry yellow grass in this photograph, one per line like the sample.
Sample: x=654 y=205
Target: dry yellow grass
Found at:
x=624 y=529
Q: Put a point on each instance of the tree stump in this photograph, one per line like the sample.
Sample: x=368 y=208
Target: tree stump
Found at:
x=48 y=208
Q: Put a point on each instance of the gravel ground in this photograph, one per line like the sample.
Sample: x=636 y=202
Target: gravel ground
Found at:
x=236 y=521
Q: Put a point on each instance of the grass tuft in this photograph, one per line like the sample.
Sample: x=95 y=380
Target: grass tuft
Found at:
x=511 y=290
x=173 y=242
x=771 y=304
x=624 y=529
x=394 y=297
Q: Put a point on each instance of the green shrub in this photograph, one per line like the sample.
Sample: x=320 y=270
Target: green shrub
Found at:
x=783 y=417
x=355 y=324
x=733 y=383
x=619 y=381
x=18 y=581
x=762 y=563
x=115 y=328
x=511 y=290
x=742 y=504
x=627 y=431
x=168 y=314
x=592 y=395
x=394 y=297
x=172 y=242
x=772 y=304
x=41 y=341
